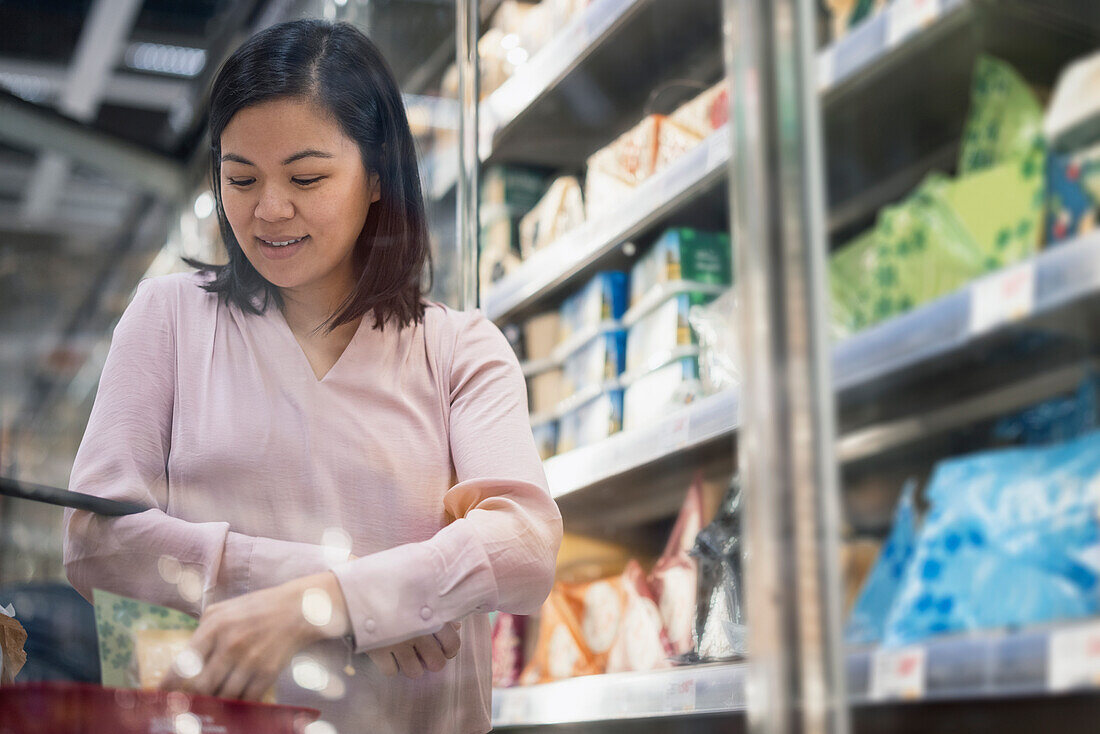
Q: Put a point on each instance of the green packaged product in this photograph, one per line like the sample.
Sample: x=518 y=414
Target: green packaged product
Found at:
x=682 y=254
x=1005 y=119
x=509 y=187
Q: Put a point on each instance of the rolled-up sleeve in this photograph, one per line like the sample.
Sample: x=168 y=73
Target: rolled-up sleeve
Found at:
x=124 y=456
x=499 y=552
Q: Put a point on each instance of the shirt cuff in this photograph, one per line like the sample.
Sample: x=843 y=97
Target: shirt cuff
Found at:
x=393 y=596
x=250 y=563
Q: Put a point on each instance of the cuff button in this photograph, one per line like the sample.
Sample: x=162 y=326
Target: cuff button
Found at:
x=370 y=626
x=426 y=613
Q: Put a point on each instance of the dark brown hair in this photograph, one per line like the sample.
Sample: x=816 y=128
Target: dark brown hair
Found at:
x=336 y=66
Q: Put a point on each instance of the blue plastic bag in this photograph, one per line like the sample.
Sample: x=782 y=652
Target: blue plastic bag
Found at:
x=1012 y=538
x=867 y=621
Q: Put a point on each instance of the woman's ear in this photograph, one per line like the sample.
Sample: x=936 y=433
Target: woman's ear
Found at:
x=375 y=185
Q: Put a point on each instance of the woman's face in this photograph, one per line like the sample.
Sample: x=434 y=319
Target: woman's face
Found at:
x=290 y=175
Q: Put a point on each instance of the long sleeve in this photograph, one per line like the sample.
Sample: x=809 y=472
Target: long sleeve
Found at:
x=499 y=552
x=124 y=456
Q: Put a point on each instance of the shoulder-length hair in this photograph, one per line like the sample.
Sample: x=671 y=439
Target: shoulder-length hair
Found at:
x=337 y=67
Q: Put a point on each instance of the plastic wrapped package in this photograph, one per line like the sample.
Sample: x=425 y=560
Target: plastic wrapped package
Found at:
x=857 y=558
x=546 y=438
x=593 y=421
x=1011 y=538
x=706 y=113
x=719 y=352
x=601 y=300
x=560 y=210
x=682 y=254
x=595 y=364
x=616 y=170
x=642 y=642
x=118 y=622
x=867 y=620
x=658 y=336
x=561 y=651
x=508 y=634
x=673 y=141
x=1005 y=120
x=541 y=334
x=1073 y=117
x=1055 y=420
x=719 y=631
x=545 y=390
x=12 y=640
x=675 y=576
x=649 y=397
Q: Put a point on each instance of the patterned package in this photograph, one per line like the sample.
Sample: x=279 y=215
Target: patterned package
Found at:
x=1012 y=538
x=655 y=394
x=1073 y=194
x=657 y=337
x=1005 y=120
x=676 y=574
x=673 y=142
x=599 y=361
x=847 y=14
x=1055 y=420
x=615 y=171
x=682 y=254
x=560 y=210
x=118 y=622
x=707 y=112
x=867 y=621
x=561 y=651
x=12 y=640
x=642 y=642
x=508 y=633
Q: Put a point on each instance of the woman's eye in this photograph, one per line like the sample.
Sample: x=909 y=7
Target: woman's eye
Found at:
x=306 y=181
x=241 y=181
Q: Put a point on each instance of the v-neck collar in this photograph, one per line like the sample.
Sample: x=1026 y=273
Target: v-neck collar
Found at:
x=303 y=358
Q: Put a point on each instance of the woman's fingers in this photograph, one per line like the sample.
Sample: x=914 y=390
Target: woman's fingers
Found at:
x=449 y=640
x=430 y=652
x=407 y=661
x=235 y=684
x=383 y=659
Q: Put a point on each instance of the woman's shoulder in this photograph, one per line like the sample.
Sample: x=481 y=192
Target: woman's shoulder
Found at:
x=175 y=292
x=464 y=335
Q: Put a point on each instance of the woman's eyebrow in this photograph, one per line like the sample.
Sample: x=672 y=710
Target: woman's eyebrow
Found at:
x=311 y=153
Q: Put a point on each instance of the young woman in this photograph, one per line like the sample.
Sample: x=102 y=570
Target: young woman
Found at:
x=332 y=463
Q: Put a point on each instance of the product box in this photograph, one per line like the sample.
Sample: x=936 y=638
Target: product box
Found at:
x=515 y=188
x=545 y=390
x=682 y=254
x=1073 y=194
x=560 y=210
x=591 y=422
x=658 y=335
x=599 y=360
x=546 y=438
x=706 y=113
x=602 y=299
x=541 y=334
x=657 y=393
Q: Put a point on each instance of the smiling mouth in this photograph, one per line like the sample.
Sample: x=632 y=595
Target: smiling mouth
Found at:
x=282 y=243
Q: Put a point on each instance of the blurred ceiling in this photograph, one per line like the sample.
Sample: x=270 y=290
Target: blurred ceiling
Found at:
x=101 y=145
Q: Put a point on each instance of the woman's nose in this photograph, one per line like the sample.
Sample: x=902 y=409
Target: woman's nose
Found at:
x=273 y=205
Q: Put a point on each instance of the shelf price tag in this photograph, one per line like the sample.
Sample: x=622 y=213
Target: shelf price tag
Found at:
x=1002 y=298
x=1074 y=658
x=907 y=17
x=898 y=674
x=681 y=696
x=674 y=432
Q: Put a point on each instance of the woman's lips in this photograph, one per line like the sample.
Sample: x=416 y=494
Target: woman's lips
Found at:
x=272 y=252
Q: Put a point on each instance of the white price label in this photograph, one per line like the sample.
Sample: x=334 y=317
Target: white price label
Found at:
x=907 y=17
x=1074 y=658
x=1002 y=298
x=898 y=674
x=681 y=696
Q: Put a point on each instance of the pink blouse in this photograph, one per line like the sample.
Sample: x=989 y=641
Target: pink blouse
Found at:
x=414 y=453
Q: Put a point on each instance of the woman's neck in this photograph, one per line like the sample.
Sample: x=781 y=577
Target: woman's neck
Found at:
x=305 y=312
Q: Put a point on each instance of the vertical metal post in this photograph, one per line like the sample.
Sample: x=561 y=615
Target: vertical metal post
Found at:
x=796 y=682
x=467 y=18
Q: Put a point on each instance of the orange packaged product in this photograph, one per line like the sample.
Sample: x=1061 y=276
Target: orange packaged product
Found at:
x=561 y=651
x=676 y=573
x=641 y=642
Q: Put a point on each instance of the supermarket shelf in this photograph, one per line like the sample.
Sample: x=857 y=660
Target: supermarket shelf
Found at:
x=559 y=262
x=703 y=421
x=991 y=666
x=940 y=330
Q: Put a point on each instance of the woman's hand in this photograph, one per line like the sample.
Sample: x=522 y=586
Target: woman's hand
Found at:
x=412 y=657
x=243 y=644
